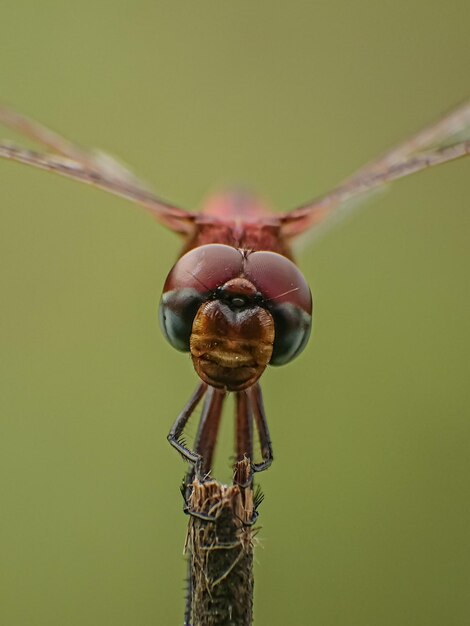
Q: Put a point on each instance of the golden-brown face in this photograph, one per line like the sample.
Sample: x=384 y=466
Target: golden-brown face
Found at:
x=231 y=347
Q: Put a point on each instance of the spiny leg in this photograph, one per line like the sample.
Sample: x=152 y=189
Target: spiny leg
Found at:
x=174 y=436
x=256 y=399
x=206 y=437
x=205 y=440
x=243 y=427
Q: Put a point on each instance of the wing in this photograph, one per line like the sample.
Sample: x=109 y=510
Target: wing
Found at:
x=91 y=167
x=445 y=140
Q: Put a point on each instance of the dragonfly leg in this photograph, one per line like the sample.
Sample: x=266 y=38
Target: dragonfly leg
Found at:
x=243 y=426
x=243 y=435
x=208 y=429
x=174 y=436
x=200 y=458
x=262 y=427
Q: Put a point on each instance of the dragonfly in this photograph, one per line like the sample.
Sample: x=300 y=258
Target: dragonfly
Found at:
x=235 y=299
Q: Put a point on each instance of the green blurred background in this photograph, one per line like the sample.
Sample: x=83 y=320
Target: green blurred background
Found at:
x=366 y=517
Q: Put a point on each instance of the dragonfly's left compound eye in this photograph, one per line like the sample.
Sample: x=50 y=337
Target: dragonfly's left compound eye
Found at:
x=287 y=297
x=192 y=280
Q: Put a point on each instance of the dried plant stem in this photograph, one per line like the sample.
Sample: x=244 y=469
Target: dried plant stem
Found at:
x=220 y=551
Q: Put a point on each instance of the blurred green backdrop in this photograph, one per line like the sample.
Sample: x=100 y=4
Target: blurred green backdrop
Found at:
x=366 y=516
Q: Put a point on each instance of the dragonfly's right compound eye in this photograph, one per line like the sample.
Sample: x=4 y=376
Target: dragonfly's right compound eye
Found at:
x=178 y=309
x=193 y=280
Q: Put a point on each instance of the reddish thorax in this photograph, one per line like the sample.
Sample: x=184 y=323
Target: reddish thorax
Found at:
x=240 y=220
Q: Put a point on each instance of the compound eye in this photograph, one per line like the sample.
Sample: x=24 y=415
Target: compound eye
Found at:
x=177 y=311
x=192 y=281
x=292 y=326
x=287 y=297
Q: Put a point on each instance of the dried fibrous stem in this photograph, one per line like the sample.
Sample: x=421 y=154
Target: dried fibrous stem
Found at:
x=220 y=550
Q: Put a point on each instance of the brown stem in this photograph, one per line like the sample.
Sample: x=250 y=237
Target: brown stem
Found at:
x=220 y=551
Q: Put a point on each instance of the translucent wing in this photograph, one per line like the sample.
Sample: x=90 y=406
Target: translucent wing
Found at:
x=443 y=141
x=91 y=167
